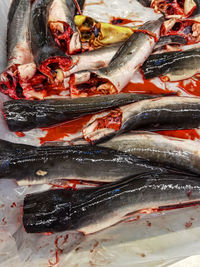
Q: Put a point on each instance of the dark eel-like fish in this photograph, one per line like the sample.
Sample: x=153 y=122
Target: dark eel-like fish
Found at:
x=129 y=57
x=169 y=151
x=173 y=66
x=18 y=49
x=37 y=165
x=94 y=209
x=171 y=112
x=61 y=23
x=170 y=40
x=24 y=115
x=48 y=57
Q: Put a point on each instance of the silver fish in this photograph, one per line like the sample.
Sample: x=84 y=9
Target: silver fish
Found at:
x=92 y=60
x=171 y=151
x=18 y=49
x=131 y=55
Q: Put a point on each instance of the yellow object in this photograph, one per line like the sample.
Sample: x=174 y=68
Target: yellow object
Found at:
x=98 y=34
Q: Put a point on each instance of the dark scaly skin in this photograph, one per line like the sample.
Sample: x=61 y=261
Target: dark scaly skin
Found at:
x=24 y=115
x=29 y=164
x=91 y=210
x=161 y=113
x=43 y=46
x=170 y=40
x=162 y=64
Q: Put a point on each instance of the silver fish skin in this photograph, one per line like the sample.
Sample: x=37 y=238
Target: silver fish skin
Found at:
x=170 y=151
x=18 y=48
x=131 y=55
x=164 y=113
x=92 y=60
x=91 y=210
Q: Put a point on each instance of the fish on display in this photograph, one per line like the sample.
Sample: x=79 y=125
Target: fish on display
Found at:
x=164 y=113
x=63 y=28
x=37 y=165
x=92 y=60
x=49 y=58
x=93 y=209
x=170 y=40
x=173 y=66
x=24 y=115
x=130 y=56
x=18 y=49
x=169 y=151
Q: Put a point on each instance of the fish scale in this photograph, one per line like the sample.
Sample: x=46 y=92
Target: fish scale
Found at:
x=91 y=210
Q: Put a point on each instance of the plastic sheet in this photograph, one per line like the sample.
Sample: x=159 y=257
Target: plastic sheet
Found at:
x=153 y=240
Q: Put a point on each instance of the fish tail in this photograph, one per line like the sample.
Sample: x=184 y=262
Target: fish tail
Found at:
x=49 y=211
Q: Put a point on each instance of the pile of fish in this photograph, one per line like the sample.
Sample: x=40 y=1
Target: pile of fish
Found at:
x=82 y=65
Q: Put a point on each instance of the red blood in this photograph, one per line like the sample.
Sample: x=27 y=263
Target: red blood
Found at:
x=188 y=224
x=4 y=221
x=63 y=63
x=48 y=233
x=120 y=21
x=184 y=134
x=20 y=134
x=58 y=132
x=147 y=32
x=145 y=88
x=13 y=205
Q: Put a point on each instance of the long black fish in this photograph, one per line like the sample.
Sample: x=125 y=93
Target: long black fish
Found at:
x=24 y=115
x=36 y=165
x=169 y=40
x=173 y=65
x=48 y=57
x=94 y=209
x=171 y=112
